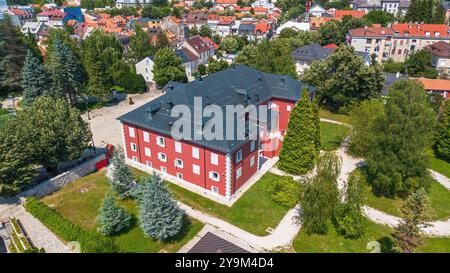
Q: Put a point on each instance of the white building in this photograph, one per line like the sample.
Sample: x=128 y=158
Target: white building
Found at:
x=145 y=68
x=32 y=28
x=317 y=10
x=131 y=3
x=295 y=25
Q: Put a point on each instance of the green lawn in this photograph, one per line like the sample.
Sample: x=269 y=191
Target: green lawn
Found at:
x=439 y=202
x=255 y=211
x=82 y=209
x=437 y=164
x=323 y=113
x=331 y=135
x=332 y=243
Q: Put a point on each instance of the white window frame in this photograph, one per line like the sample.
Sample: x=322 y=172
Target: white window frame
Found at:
x=252 y=161
x=212 y=174
x=133 y=146
x=177 y=160
x=146 y=137
x=163 y=169
x=160 y=141
x=147 y=151
x=252 y=145
x=195 y=169
x=288 y=108
x=160 y=155
x=178 y=148
x=131 y=132
x=214 y=159
x=238 y=172
x=180 y=176
x=195 y=152
x=239 y=156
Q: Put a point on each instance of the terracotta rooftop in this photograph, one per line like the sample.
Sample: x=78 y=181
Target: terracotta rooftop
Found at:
x=226 y=2
x=441 y=49
x=435 y=84
x=421 y=30
x=371 y=32
x=339 y=14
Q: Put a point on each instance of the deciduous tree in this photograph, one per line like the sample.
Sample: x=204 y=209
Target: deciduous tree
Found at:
x=167 y=67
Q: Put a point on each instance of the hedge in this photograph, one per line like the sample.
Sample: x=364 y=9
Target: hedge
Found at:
x=90 y=241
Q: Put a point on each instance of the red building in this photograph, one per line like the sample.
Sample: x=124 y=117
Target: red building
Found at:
x=218 y=166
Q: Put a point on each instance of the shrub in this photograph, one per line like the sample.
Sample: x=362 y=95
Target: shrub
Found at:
x=90 y=242
x=132 y=83
x=284 y=191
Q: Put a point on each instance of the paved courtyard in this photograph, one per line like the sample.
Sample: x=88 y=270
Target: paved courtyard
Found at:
x=104 y=124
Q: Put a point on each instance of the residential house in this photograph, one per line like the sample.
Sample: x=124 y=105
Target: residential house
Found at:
x=306 y=55
x=131 y=3
x=21 y=15
x=397 y=41
x=441 y=57
x=395 y=7
x=53 y=18
x=339 y=14
x=195 y=20
x=225 y=4
x=189 y=60
x=224 y=26
x=390 y=79
x=33 y=28
x=263 y=4
x=436 y=86
x=200 y=48
x=175 y=28
x=145 y=68
x=317 y=11
x=217 y=168
x=294 y=25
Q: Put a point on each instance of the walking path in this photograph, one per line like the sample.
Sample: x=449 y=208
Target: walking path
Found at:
x=349 y=163
x=282 y=236
x=40 y=236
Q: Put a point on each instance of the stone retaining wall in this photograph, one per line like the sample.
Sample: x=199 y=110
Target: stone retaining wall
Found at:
x=57 y=182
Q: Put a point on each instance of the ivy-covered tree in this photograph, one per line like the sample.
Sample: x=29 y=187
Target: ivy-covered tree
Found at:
x=121 y=178
x=160 y=216
x=300 y=145
x=112 y=218
x=348 y=217
x=167 y=67
x=396 y=158
x=320 y=195
x=442 y=135
x=408 y=234
x=99 y=52
x=34 y=79
x=343 y=79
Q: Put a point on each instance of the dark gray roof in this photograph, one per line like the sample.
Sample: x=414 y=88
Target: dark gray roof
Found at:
x=390 y=79
x=211 y=243
x=365 y=55
x=238 y=85
x=311 y=52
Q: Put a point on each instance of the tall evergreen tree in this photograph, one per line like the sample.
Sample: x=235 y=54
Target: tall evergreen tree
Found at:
x=112 y=218
x=300 y=145
x=396 y=157
x=12 y=56
x=320 y=195
x=160 y=216
x=34 y=79
x=122 y=177
x=442 y=136
x=408 y=234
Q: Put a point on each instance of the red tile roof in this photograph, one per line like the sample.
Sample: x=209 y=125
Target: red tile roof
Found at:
x=441 y=49
x=354 y=13
x=226 y=2
x=211 y=42
x=371 y=32
x=199 y=44
x=435 y=84
x=331 y=46
x=421 y=30
x=263 y=27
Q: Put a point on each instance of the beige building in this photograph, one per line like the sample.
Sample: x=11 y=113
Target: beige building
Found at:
x=397 y=41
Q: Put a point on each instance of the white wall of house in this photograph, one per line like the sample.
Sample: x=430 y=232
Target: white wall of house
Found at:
x=145 y=68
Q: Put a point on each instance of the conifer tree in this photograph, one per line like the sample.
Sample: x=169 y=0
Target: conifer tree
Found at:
x=112 y=218
x=160 y=216
x=34 y=79
x=122 y=177
x=407 y=235
x=301 y=144
x=442 y=145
